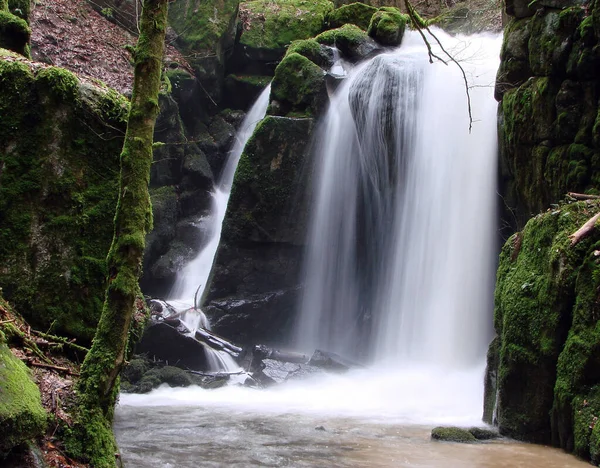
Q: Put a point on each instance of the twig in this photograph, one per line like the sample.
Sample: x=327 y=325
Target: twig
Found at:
x=61 y=340
x=584 y=230
x=7 y=321
x=583 y=196
x=420 y=24
x=52 y=366
x=196 y=297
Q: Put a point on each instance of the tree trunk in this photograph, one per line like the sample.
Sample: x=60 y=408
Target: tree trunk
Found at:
x=92 y=438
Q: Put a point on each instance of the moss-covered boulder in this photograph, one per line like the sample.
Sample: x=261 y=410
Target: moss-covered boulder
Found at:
x=387 y=26
x=271 y=25
x=546 y=318
x=60 y=141
x=358 y=14
x=14 y=33
x=452 y=434
x=353 y=42
x=319 y=54
x=22 y=416
x=298 y=87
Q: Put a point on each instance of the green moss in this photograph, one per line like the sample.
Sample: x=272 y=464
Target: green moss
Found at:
x=273 y=24
x=201 y=24
x=312 y=50
x=452 y=434
x=299 y=86
x=259 y=81
x=267 y=179
x=387 y=26
x=14 y=33
x=535 y=294
x=59 y=146
x=20 y=8
x=358 y=14
x=21 y=413
x=349 y=35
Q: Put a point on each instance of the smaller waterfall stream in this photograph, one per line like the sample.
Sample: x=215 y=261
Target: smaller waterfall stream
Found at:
x=192 y=280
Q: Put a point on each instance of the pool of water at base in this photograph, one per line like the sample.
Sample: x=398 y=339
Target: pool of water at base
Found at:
x=197 y=436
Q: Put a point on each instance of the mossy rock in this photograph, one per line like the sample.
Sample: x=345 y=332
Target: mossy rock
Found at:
x=14 y=33
x=274 y=24
x=298 y=87
x=358 y=14
x=452 y=434
x=545 y=287
x=242 y=90
x=313 y=51
x=21 y=8
x=60 y=142
x=353 y=42
x=387 y=26
x=481 y=433
x=267 y=179
x=22 y=416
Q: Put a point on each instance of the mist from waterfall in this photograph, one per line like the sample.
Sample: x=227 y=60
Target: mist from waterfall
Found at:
x=400 y=259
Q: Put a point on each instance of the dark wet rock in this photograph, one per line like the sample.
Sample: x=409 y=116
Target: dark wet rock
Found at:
x=320 y=428
x=258 y=318
x=482 y=433
x=452 y=434
x=242 y=90
x=163 y=342
x=331 y=361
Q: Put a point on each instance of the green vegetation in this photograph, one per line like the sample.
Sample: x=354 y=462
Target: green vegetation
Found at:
x=59 y=146
x=274 y=24
x=358 y=14
x=22 y=416
x=548 y=339
x=298 y=86
x=452 y=434
x=14 y=33
x=387 y=26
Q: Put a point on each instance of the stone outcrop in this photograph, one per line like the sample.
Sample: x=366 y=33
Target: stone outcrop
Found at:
x=548 y=89
x=543 y=377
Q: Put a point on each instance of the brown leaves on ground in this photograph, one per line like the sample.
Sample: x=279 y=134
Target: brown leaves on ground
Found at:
x=70 y=34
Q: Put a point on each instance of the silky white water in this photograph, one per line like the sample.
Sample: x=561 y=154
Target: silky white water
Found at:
x=401 y=251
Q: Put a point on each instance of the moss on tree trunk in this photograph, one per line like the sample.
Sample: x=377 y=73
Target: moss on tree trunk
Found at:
x=91 y=438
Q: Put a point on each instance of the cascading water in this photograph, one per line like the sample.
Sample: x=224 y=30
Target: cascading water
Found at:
x=400 y=260
x=399 y=268
x=191 y=281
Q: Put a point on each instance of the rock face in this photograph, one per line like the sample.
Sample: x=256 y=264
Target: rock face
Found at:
x=544 y=361
x=548 y=115
x=59 y=145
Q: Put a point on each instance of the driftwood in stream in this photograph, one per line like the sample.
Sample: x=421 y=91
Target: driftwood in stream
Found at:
x=584 y=230
x=216 y=342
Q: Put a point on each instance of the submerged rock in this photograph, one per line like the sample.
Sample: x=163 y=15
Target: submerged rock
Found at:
x=452 y=434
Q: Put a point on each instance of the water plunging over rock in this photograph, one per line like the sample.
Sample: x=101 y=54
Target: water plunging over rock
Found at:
x=400 y=263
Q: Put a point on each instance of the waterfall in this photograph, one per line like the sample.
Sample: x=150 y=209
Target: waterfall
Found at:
x=196 y=273
x=192 y=279
x=399 y=266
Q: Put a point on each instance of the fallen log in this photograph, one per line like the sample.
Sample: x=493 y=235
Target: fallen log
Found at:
x=584 y=230
x=216 y=342
x=583 y=196
x=52 y=366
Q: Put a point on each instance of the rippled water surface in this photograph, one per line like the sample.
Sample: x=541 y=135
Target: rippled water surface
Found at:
x=182 y=436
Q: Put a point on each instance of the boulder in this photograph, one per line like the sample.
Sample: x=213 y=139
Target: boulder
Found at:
x=353 y=42
x=270 y=26
x=452 y=434
x=165 y=343
x=22 y=416
x=319 y=54
x=298 y=88
x=14 y=33
x=331 y=361
x=242 y=90
x=358 y=14
x=387 y=26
